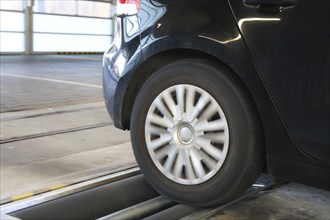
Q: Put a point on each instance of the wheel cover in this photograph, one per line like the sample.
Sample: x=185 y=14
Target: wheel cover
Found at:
x=187 y=134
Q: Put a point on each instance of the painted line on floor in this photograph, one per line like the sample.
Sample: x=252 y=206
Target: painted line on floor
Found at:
x=58 y=186
x=78 y=53
x=52 y=80
x=31 y=194
x=22 y=196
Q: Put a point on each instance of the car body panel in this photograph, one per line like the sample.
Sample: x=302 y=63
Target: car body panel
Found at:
x=291 y=47
x=119 y=60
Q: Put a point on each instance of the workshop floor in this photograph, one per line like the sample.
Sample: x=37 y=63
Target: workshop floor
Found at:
x=55 y=131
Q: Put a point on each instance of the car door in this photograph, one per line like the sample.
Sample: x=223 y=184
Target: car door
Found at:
x=289 y=43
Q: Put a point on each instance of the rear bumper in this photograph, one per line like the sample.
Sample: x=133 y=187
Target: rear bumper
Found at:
x=119 y=63
x=109 y=88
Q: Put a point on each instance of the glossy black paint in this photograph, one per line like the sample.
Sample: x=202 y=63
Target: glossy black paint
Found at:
x=119 y=61
x=267 y=51
x=291 y=51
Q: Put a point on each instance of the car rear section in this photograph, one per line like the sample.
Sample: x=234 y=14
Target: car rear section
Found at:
x=180 y=76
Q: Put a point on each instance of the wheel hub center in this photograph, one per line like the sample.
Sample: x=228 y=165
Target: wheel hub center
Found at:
x=185 y=134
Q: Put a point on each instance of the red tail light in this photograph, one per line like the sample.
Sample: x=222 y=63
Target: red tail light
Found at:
x=128 y=7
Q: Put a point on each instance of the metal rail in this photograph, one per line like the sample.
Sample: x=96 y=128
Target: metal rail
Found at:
x=46 y=134
x=70 y=190
x=141 y=210
x=264 y=182
x=34 y=115
x=123 y=195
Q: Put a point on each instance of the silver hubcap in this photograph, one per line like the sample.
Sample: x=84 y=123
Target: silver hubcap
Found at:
x=187 y=135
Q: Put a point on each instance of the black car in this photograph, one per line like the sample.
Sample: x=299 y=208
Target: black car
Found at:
x=216 y=92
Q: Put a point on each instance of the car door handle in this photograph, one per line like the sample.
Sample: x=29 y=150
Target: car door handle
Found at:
x=270 y=3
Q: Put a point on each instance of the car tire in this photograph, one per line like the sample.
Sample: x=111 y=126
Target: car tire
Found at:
x=196 y=134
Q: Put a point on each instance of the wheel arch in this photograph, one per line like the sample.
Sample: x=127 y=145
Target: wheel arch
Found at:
x=159 y=60
x=145 y=70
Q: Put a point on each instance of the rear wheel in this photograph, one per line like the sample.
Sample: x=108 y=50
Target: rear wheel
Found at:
x=195 y=133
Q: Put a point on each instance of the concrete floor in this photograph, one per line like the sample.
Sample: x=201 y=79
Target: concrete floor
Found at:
x=55 y=131
x=289 y=202
x=30 y=82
